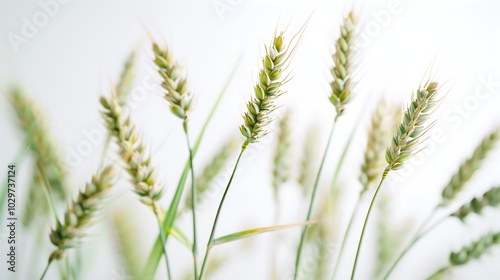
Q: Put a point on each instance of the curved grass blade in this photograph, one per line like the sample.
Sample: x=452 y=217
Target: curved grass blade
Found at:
x=252 y=232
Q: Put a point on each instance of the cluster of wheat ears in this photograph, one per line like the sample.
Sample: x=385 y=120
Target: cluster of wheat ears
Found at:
x=394 y=137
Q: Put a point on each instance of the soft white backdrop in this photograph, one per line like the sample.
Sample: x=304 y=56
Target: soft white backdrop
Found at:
x=79 y=52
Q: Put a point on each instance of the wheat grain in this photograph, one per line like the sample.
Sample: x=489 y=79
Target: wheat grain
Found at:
x=469 y=167
x=342 y=84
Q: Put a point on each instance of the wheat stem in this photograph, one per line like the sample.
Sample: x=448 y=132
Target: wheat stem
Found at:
x=46 y=269
x=344 y=239
x=415 y=240
x=163 y=240
x=313 y=196
x=193 y=200
x=211 y=239
x=360 y=242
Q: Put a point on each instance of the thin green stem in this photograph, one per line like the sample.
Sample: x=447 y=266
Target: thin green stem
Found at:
x=333 y=185
x=162 y=238
x=211 y=239
x=46 y=269
x=193 y=201
x=413 y=241
x=311 y=203
x=47 y=191
x=344 y=239
x=105 y=150
x=366 y=221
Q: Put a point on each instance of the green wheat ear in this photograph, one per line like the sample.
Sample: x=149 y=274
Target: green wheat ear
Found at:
x=342 y=72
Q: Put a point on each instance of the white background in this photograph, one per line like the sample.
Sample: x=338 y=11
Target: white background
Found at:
x=78 y=54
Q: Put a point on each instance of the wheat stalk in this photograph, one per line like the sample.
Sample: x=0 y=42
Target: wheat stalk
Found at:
x=260 y=107
x=490 y=198
x=469 y=167
x=342 y=84
x=341 y=87
x=405 y=144
x=181 y=102
x=80 y=215
x=212 y=169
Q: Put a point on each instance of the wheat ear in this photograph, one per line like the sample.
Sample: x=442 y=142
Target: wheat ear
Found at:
x=124 y=86
x=137 y=162
x=31 y=120
x=342 y=84
x=490 y=198
x=80 y=215
x=469 y=167
x=470 y=253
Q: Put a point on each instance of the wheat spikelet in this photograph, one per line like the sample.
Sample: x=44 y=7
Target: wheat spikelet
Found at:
x=342 y=84
x=469 y=167
x=281 y=167
x=267 y=89
x=173 y=81
x=79 y=216
x=490 y=198
x=382 y=123
x=126 y=79
x=32 y=122
x=414 y=125
x=475 y=250
x=132 y=152
x=212 y=169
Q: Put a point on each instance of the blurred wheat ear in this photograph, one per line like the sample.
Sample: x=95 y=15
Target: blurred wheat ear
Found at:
x=80 y=215
x=469 y=167
x=469 y=253
x=45 y=153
